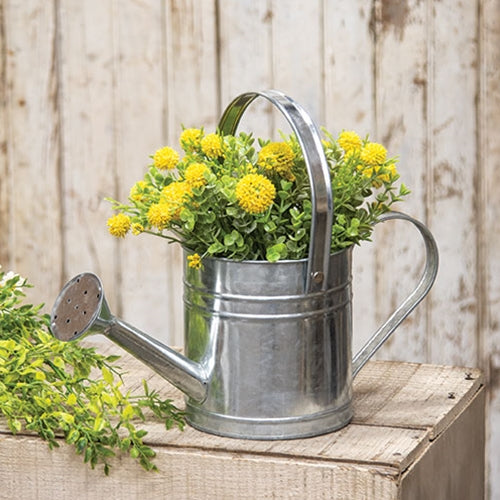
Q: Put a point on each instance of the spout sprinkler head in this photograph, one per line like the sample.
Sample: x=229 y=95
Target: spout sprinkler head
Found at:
x=77 y=307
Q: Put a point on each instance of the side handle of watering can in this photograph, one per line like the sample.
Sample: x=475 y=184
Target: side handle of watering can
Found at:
x=413 y=299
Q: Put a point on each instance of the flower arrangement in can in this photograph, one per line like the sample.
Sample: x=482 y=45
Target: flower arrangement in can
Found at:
x=242 y=198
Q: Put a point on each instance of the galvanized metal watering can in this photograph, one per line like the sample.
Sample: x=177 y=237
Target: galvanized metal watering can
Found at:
x=267 y=345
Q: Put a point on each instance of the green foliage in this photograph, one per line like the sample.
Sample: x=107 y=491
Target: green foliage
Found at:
x=59 y=389
x=212 y=220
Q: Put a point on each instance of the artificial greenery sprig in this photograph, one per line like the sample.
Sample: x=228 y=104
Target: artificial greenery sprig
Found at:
x=226 y=198
x=59 y=389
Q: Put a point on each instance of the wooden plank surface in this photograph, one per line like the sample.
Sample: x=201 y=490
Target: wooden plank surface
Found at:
x=187 y=474
x=453 y=467
x=139 y=73
x=349 y=83
x=489 y=250
x=452 y=206
x=5 y=187
x=402 y=128
x=34 y=243
x=191 y=100
x=89 y=163
x=245 y=59
x=399 y=410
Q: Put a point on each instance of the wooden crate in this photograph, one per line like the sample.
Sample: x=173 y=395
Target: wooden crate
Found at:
x=417 y=433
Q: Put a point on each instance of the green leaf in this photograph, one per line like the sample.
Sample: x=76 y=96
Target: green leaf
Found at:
x=99 y=424
x=215 y=248
x=107 y=375
x=233 y=211
x=270 y=227
x=72 y=436
x=14 y=425
x=276 y=252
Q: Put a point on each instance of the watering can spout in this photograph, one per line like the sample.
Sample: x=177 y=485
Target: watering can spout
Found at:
x=81 y=309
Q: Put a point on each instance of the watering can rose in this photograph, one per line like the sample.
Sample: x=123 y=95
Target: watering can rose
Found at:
x=227 y=198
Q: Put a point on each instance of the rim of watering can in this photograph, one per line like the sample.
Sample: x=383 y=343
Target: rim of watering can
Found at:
x=261 y=262
x=309 y=139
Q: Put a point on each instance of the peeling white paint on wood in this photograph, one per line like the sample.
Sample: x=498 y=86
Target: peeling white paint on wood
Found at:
x=89 y=89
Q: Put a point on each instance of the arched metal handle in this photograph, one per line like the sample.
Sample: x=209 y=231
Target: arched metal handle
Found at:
x=421 y=290
x=317 y=168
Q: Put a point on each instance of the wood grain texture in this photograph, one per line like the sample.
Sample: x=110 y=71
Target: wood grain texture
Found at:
x=453 y=467
x=187 y=474
x=297 y=55
x=139 y=69
x=489 y=248
x=88 y=146
x=191 y=100
x=32 y=130
x=401 y=125
x=349 y=83
x=452 y=205
x=246 y=59
x=395 y=428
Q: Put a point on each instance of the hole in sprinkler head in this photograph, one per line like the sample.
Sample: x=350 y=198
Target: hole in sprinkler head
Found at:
x=98 y=295
x=75 y=333
x=55 y=316
x=69 y=300
x=77 y=306
x=68 y=321
x=84 y=312
x=85 y=292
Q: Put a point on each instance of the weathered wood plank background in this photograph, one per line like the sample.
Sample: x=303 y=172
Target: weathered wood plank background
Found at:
x=89 y=89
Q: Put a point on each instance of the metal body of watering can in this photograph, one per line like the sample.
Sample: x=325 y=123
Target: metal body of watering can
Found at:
x=267 y=345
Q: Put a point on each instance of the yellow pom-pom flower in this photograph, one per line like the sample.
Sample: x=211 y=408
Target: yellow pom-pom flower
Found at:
x=166 y=158
x=195 y=175
x=255 y=193
x=137 y=229
x=211 y=145
x=176 y=192
x=373 y=153
x=388 y=175
x=159 y=215
x=349 y=141
x=190 y=139
x=277 y=157
x=119 y=225
x=174 y=195
x=194 y=261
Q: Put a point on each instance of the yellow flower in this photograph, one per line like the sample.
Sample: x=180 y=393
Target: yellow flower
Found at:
x=388 y=174
x=194 y=261
x=159 y=215
x=277 y=157
x=373 y=153
x=366 y=171
x=166 y=158
x=211 y=145
x=137 y=191
x=195 y=174
x=137 y=229
x=174 y=195
x=255 y=193
x=176 y=192
x=349 y=141
x=190 y=139
x=119 y=225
